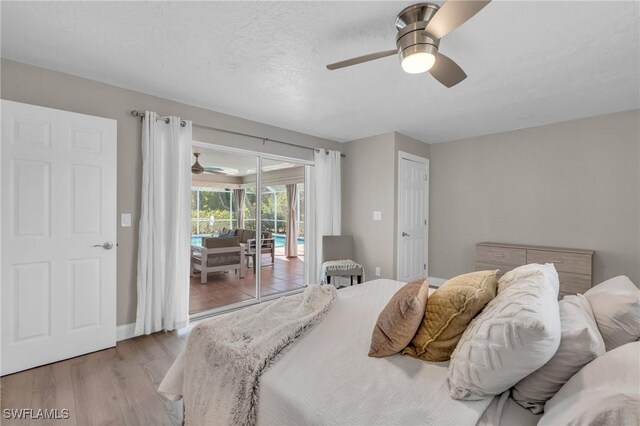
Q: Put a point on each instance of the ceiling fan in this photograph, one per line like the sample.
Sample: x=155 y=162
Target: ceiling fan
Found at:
x=420 y=28
x=197 y=168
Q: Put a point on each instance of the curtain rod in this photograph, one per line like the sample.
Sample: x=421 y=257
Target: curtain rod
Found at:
x=136 y=114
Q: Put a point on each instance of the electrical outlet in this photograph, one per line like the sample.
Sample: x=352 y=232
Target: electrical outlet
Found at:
x=377 y=215
x=377 y=271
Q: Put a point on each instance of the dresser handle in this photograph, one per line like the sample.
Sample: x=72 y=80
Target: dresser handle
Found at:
x=498 y=255
x=556 y=261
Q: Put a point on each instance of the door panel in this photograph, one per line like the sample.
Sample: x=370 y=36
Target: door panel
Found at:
x=31 y=193
x=86 y=203
x=58 y=178
x=31 y=297
x=85 y=290
x=412 y=214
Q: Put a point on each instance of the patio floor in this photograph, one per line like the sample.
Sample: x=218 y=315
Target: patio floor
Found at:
x=225 y=288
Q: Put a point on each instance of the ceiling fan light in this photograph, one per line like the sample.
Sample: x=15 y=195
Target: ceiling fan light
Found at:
x=419 y=62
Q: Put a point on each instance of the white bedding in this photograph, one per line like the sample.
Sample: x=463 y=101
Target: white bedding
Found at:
x=504 y=411
x=327 y=377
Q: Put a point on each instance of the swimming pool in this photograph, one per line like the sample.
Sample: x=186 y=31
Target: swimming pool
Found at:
x=280 y=239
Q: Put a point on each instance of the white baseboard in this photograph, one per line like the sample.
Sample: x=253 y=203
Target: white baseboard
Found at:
x=128 y=331
x=125 y=331
x=436 y=282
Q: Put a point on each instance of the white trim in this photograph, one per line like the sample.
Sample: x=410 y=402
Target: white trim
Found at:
x=244 y=304
x=252 y=153
x=125 y=331
x=223 y=309
x=128 y=331
x=411 y=157
x=436 y=282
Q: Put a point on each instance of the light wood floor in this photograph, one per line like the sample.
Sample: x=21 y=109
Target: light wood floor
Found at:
x=116 y=386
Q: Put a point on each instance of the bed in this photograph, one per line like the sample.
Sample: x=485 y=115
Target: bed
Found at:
x=303 y=359
x=327 y=377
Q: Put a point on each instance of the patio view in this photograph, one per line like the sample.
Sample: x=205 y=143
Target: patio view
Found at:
x=223 y=228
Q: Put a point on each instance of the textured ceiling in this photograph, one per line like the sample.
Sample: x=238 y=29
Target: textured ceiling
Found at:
x=529 y=63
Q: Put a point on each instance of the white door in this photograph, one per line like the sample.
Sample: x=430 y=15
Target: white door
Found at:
x=58 y=178
x=413 y=196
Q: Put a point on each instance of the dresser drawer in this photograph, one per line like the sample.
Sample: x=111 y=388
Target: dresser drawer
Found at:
x=574 y=283
x=574 y=263
x=501 y=255
x=502 y=269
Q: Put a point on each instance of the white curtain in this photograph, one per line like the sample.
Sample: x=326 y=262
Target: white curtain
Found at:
x=165 y=225
x=327 y=200
x=291 y=248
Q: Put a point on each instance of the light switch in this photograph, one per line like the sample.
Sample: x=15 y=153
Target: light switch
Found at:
x=125 y=220
x=377 y=215
x=377 y=271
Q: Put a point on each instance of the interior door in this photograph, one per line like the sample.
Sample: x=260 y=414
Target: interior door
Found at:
x=413 y=193
x=58 y=230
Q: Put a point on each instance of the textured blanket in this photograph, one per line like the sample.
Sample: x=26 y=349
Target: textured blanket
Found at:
x=218 y=372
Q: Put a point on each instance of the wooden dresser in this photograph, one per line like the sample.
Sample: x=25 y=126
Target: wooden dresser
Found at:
x=574 y=266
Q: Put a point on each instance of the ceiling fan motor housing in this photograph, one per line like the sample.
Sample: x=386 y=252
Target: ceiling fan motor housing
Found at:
x=411 y=23
x=197 y=168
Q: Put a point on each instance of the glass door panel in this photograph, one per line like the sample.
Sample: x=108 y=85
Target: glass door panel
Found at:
x=282 y=223
x=224 y=204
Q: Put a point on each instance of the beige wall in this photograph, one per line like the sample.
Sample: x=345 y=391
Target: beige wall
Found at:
x=573 y=184
x=369 y=184
x=32 y=85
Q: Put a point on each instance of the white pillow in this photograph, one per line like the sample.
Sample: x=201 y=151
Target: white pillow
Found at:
x=605 y=392
x=616 y=307
x=523 y=272
x=580 y=343
x=515 y=334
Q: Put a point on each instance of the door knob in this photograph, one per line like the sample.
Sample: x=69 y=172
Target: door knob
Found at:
x=404 y=234
x=107 y=246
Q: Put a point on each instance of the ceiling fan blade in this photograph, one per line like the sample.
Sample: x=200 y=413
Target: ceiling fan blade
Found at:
x=452 y=14
x=214 y=171
x=361 y=59
x=446 y=71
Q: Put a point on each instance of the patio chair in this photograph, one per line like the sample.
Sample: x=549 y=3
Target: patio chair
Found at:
x=217 y=254
x=268 y=247
x=337 y=259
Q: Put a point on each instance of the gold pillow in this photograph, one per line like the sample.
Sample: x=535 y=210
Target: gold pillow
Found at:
x=449 y=311
x=399 y=320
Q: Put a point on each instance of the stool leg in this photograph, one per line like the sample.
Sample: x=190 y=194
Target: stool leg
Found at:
x=359 y=279
x=328 y=279
x=350 y=280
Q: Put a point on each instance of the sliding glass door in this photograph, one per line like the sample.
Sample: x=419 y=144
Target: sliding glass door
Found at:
x=282 y=210
x=248 y=219
x=223 y=216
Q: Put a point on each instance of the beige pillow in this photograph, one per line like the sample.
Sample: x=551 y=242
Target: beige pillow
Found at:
x=399 y=320
x=449 y=311
x=580 y=343
x=616 y=308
